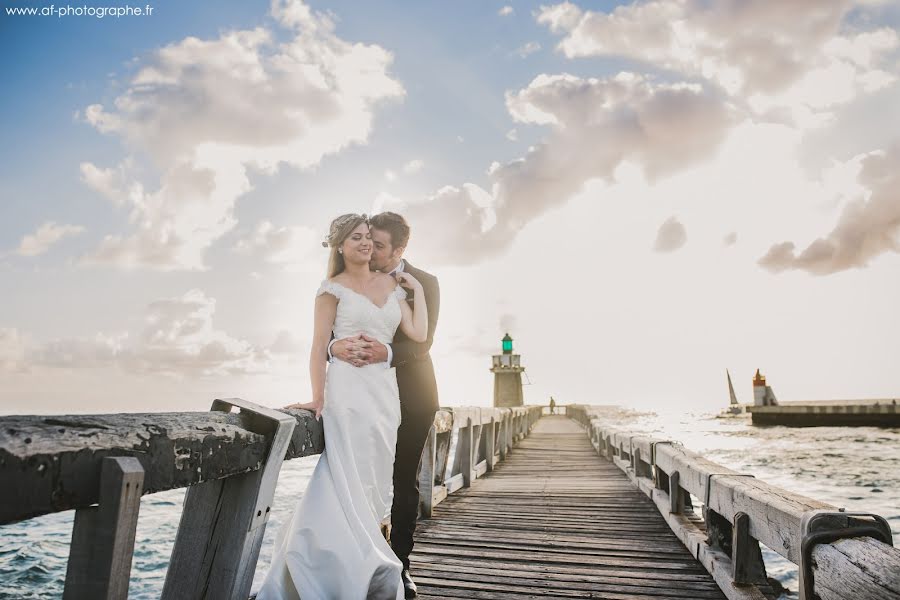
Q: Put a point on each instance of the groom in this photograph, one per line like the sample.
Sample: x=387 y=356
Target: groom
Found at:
x=415 y=379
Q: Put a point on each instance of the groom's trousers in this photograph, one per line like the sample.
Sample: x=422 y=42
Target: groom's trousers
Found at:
x=418 y=403
x=411 y=437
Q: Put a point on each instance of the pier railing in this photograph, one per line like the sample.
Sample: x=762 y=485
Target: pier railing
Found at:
x=101 y=465
x=840 y=554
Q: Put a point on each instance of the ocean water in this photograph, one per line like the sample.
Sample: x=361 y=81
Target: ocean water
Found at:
x=857 y=468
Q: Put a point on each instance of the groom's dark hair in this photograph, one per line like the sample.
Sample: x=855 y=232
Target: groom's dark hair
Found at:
x=395 y=225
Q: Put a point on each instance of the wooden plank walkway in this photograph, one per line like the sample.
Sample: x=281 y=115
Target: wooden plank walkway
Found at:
x=554 y=521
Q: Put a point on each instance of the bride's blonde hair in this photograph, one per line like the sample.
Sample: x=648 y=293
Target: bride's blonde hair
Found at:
x=340 y=230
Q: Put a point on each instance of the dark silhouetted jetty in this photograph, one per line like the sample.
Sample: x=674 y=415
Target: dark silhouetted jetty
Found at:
x=838 y=413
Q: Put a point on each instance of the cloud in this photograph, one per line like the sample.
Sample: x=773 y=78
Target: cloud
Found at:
x=730 y=239
x=526 y=49
x=512 y=135
x=671 y=236
x=113 y=183
x=596 y=124
x=414 y=166
x=451 y=218
x=206 y=111
x=99 y=351
x=46 y=236
x=869 y=225
x=12 y=351
x=292 y=246
x=179 y=339
x=792 y=54
x=506 y=11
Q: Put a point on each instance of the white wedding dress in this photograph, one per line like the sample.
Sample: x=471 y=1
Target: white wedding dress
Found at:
x=332 y=547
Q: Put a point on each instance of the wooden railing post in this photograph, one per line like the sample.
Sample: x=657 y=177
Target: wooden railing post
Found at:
x=746 y=557
x=466 y=449
x=103 y=536
x=223 y=521
x=676 y=502
x=426 y=475
x=504 y=434
x=491 y=444
x=479 y=452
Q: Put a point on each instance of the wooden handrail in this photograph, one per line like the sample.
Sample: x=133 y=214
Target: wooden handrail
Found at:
x=55 y=463
x=670 y=474
x=52 y=463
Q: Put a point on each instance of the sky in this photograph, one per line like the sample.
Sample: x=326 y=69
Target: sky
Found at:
x=642 y=194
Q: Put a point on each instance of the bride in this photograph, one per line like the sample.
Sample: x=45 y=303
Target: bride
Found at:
x=332 y=547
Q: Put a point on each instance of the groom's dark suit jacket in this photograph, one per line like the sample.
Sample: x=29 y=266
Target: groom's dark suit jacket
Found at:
x=418 y=403
x=415 y=371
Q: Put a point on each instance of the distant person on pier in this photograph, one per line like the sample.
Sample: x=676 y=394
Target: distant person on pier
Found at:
x=552 y=406
x=332 y=546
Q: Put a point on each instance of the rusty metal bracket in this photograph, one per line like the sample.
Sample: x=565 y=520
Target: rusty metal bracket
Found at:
x=815 y=532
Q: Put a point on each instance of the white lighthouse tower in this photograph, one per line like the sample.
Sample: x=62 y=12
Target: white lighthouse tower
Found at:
x=507 y=369
x=762 y=393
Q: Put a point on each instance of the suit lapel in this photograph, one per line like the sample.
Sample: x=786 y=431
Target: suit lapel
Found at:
x=410 y=296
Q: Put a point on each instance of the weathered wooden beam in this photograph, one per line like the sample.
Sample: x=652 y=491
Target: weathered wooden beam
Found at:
x=426 y=475
x=223 y=521
x=491 y=444
x=465 y=450
x=861 y=568
x=676 y=506
x=747 y=566
x=775 y=513
x=52 y=463
x=443 y=421
x=99 y=566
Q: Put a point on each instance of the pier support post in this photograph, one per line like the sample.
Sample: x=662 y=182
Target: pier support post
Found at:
x=676 y=498
x=504 y=435
x=747 y=566
x=426 y=475
x=491 y=444
x=466 y=449
x=103 y=536
x=223 y=521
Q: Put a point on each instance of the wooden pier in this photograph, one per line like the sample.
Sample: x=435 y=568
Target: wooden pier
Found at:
x=512 y=505
x=554 y=520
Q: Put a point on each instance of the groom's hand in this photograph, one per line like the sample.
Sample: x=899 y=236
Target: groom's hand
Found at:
x=349 y=350
x=372 y=351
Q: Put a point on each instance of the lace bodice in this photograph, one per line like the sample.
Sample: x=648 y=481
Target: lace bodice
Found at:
x=357 y=314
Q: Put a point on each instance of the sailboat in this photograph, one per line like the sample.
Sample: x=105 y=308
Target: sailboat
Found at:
x=735 y=408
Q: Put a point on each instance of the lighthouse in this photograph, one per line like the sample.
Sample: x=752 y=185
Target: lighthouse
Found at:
x=507 y=369
x=762 y=393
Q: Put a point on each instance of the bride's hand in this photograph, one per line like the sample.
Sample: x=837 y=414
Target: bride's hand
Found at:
x=408 y=281
x=314 y=407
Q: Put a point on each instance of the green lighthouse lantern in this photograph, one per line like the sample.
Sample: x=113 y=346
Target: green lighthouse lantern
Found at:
x=507 y=344
x=507 y=369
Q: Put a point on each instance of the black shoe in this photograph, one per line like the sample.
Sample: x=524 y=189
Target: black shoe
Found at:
x=409 y=586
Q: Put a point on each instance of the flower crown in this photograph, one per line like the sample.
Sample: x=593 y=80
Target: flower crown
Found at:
x=338 y=224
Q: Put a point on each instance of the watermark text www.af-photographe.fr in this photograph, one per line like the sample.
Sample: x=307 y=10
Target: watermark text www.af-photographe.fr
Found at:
x=21 y=9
